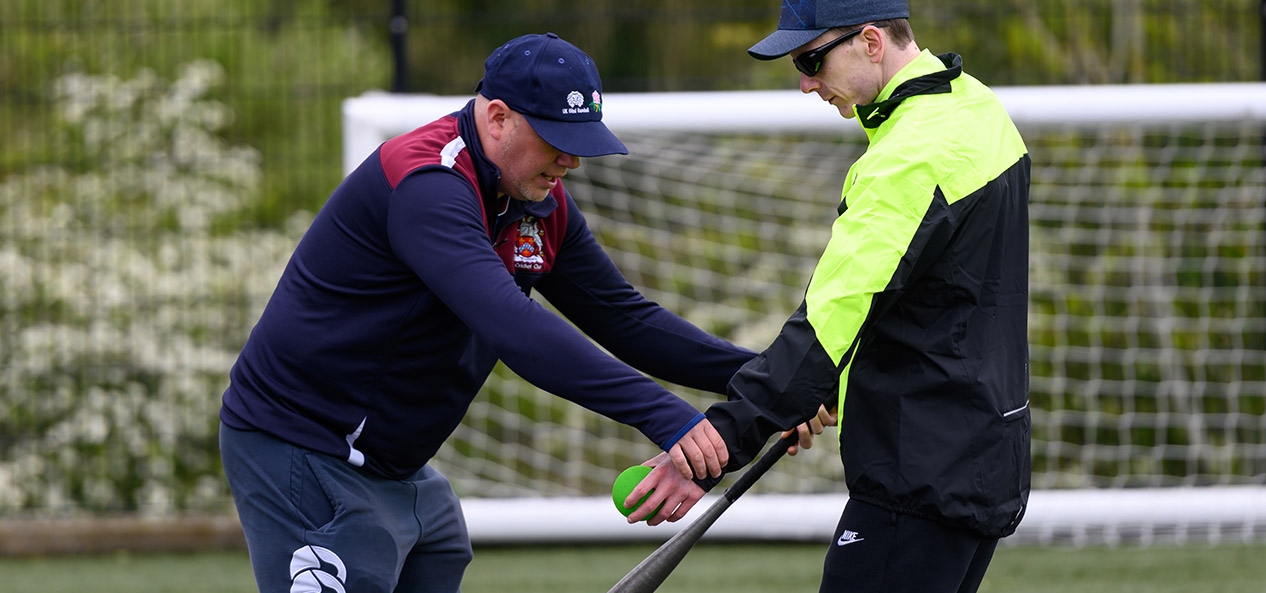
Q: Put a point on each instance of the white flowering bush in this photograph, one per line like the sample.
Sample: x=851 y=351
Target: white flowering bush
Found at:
x=126 y=290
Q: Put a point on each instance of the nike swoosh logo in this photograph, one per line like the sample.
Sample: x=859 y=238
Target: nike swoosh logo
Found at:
x=845 y=542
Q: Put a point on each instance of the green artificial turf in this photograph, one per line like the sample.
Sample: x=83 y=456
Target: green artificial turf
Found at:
x=732 y=568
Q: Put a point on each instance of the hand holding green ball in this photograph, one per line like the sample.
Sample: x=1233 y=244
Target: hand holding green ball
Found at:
x=624 y=485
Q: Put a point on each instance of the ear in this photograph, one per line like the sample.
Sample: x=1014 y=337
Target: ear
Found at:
x=875 y=43
x=497 y=118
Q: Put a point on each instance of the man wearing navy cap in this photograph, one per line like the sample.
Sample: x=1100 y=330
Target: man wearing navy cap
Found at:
x=914 y=323
x=409 y=286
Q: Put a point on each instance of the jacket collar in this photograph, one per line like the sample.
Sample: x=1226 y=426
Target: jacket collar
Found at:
x=923 y=76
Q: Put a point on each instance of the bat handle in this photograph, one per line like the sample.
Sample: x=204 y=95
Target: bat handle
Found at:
x=761 y=466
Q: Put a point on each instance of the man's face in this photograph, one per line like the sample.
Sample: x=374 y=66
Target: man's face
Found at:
x=530 y=167
x=847 y=76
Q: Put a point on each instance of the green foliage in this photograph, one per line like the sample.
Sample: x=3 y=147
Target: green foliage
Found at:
x=289 y=64
x=1019 y=42
x=287 y=67
x=130 y=270
x=124 y=299
x=670 y=45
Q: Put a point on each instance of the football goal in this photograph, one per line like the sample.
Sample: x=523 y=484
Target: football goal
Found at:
x=1147 y=315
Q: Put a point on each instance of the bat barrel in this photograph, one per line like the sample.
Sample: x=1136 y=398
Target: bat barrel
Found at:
x=650 y=573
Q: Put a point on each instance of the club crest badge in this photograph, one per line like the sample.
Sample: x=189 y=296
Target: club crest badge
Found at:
x=529 y=246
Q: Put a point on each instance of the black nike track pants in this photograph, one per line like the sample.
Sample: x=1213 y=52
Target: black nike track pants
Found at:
x=878 y=551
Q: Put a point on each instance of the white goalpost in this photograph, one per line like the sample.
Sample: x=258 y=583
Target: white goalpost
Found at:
x=1147 y=315
x=370 y=119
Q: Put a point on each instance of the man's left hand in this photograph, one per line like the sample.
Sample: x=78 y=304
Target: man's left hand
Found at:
x=814 y=426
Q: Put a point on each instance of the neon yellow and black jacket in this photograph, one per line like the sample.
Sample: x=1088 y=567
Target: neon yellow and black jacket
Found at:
x=915 y=319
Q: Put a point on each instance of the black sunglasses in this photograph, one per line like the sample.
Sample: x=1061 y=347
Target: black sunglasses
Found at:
x=810 y=62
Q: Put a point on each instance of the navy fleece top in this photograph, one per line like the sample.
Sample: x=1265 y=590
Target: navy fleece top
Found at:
x=415 y=278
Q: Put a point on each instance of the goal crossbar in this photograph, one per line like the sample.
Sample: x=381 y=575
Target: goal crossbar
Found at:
x=371 y=118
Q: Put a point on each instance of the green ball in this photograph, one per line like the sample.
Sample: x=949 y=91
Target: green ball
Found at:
x=624 y=485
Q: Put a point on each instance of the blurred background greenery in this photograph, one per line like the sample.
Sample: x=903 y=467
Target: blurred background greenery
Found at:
x=289 y=63
x=161 y=157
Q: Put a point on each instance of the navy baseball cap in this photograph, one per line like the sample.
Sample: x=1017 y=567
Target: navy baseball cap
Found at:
x=555 y=86
x=802 y=21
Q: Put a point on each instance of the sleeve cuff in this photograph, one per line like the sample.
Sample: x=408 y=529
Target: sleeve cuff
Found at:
x=685 y=429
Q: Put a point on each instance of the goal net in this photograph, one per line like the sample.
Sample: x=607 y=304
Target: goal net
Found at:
x=1147 y=315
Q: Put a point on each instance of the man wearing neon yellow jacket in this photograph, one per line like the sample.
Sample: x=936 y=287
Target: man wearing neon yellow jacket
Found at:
x=914 y=324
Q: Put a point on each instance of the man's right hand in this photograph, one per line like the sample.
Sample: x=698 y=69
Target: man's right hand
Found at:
x=700 y=453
